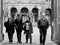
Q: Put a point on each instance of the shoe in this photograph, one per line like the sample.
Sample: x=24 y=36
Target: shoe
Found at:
x=30 y=42
x=26 y=42
x=10 y=41
x=43 y=44
x=19 y=42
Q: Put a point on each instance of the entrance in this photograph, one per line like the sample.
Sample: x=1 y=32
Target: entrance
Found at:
x=48 y=14
x=35 y=14
x=25 y=13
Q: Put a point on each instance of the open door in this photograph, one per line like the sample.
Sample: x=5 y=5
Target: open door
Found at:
x=1 y=21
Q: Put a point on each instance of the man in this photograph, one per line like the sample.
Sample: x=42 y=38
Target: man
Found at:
x=28 y=29
x=43 y=26
x=18 y=26
x=10 y=29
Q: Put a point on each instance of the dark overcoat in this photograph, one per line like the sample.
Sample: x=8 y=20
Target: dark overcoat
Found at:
x=9 y=26
x=18 y=24
x=43 y=24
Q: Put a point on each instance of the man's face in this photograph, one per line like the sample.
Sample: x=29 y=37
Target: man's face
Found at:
x=14 y=13
x=43 y=16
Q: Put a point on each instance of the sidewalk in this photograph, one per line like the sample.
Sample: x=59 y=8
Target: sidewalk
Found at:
x=35 y=38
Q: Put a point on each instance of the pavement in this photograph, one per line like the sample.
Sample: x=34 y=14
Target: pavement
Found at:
x=35 y=38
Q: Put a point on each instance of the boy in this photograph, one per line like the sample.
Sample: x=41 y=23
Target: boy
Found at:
x=28 y=30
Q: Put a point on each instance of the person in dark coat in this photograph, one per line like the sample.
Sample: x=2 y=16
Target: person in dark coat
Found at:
x=10 y=29
x=43 y=26
x=19 y=26
x=28 y=30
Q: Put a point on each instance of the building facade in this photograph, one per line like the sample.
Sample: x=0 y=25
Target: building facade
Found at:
x=38 y=5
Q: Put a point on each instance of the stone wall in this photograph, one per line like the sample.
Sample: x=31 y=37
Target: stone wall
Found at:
x=1 y=22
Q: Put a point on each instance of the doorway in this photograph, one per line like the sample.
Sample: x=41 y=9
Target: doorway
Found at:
x=48 y=14
x=35 y=14
x=24 y=13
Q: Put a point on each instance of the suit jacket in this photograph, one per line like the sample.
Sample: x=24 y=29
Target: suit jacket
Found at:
x=18 y=24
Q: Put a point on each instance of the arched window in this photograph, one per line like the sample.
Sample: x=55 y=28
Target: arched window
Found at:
x=24 y=11
x=48 y=11
x=35 y=14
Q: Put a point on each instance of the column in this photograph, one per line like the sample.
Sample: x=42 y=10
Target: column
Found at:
x=56 y=19
x=1 y=21
x=39 y=11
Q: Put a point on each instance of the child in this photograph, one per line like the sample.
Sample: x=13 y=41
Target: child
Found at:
x=28 y=30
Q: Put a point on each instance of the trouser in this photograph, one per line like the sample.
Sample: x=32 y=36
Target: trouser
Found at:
x=19 y=35
x=10 y=36
x=28 y=36
x=43 y=35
